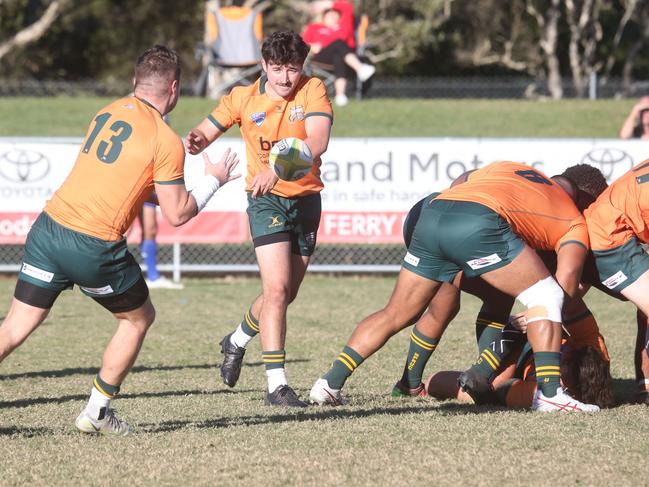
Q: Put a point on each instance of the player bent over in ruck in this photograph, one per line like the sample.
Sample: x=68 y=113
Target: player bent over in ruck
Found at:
x=488 y=225
x=79 y=236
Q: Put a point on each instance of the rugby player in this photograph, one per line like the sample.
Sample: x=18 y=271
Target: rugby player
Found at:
x=284 y=215
x=618 y=225
x=585 y=369
x=79 y=237
x=488 y=224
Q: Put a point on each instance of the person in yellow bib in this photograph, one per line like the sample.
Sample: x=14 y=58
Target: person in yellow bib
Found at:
x=79 y=237
x=284 y=215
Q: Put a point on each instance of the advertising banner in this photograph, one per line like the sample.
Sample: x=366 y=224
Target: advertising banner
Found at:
x=370 y=183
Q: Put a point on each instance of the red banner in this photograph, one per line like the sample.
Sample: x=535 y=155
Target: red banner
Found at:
x=232 y=227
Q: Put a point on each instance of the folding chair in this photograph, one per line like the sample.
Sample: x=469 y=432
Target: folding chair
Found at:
x=231 y=52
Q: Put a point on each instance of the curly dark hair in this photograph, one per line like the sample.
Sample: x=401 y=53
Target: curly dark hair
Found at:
x=594 y=384
x=284 y=47
x=589 y=182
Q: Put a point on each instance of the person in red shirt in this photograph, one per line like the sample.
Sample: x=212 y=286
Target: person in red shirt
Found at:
x=332 y=42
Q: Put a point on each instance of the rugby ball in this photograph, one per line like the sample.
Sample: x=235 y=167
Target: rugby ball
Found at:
x=291 y=159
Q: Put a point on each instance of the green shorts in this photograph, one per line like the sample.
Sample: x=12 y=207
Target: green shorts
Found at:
x=276 y=219
x=621 y=266
x=56 y=258
x=454 y=236
x=413 y=217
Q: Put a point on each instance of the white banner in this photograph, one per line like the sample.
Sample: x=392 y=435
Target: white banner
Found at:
x=369 y=183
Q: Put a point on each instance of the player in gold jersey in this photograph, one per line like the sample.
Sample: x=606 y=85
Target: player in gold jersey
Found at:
x=79 y=236
x=488 y=224
x=284 y=215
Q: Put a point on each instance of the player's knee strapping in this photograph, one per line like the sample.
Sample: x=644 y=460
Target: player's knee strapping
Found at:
x=543 y=301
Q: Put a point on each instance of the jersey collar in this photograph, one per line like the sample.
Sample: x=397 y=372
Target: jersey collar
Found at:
x=147 y=104
x=262 y=84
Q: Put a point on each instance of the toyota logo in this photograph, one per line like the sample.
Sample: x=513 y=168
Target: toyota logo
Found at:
x=612 y=162
x=24 y=166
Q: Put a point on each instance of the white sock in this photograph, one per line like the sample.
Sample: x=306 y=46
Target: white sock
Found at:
x=96 y=402
x=240 y=338
x=276 y=378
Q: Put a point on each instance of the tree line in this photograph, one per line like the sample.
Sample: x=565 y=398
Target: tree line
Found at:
x=550 y=41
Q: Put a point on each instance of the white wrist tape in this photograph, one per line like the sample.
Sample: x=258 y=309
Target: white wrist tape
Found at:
x=204 y=190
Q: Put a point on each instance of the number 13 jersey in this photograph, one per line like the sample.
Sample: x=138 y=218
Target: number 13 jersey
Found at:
x=128 y=147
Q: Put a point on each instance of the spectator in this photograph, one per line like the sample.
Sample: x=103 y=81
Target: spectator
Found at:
x=332 y=42
x=636 y=125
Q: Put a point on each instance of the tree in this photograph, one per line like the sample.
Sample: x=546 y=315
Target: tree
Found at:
x=36 y=30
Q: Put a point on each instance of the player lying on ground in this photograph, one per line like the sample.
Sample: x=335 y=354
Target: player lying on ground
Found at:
x=585 y=370
x=79 y=237
x=489 y=225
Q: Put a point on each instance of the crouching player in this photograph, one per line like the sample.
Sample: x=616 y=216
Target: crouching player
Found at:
x=618 y=225
x=489 y=225
x=79 y=236
x=494 y=334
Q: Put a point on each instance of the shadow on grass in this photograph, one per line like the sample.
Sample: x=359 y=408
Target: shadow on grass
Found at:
x=135 y=370
x=25 y=432
x=311 y=414
x=23 y=403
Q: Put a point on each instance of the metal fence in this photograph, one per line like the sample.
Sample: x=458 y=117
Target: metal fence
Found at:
x=179 y=259
x=380 y=87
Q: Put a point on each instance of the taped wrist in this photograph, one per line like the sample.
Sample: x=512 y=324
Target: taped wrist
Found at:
x=204 y=190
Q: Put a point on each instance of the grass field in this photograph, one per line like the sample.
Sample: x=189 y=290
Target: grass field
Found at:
x=70 y=116
x=192 y=430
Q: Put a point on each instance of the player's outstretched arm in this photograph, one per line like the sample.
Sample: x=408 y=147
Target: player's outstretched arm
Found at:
x=201 y=136
x=179 y=205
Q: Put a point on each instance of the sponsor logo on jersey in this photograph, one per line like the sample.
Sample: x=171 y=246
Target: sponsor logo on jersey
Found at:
x=258 y=118
x=267 y=145
x=615 y=280
x=297 y=114
x=411 y=259
x=476 y=264
x=98 y=290
x=36 y=273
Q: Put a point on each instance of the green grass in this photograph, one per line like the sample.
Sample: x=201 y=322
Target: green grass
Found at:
x=70 y=116
x=192 y=430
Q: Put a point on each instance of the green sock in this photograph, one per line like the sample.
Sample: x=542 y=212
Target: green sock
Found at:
x=346 y=363
x=548 y=372
x=274 y=359
x=420 y=349
x=105 y=388
x=491 y=346
x=250 y=324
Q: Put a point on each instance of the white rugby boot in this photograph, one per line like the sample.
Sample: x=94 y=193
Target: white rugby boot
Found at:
x=110 y=424
x=322 y=394
x=561 y=402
